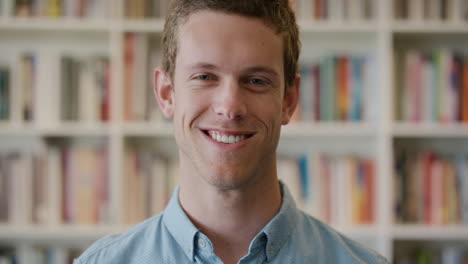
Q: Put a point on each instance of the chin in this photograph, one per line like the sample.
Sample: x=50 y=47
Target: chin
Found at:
x=228 y=182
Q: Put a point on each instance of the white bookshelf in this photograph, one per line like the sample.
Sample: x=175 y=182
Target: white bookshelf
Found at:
x=434 y=233
x=430 y=130
x=49 y=24
x=58 y=233
x=375 y=138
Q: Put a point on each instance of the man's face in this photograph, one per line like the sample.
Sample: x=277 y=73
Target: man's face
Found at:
x=228 y=100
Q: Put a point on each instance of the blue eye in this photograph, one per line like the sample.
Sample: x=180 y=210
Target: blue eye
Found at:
x=257 y=81
x=203 y=77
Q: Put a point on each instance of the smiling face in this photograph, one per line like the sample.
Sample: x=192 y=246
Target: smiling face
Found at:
x=227 y=98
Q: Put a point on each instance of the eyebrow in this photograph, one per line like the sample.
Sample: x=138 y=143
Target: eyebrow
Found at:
x=203 y=65
x=252 y=69
x=267 y=70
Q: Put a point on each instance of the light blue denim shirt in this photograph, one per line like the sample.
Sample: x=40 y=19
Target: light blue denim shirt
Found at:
x=170 y=238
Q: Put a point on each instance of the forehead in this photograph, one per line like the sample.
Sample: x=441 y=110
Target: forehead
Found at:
x=228 y=40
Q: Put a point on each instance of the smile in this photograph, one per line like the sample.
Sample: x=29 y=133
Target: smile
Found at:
x=226 y=137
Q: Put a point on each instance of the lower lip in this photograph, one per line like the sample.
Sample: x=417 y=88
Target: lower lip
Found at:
x=228 y=147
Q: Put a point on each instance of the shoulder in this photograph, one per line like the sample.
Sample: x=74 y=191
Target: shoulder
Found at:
x=128 y=247
x=331 y=246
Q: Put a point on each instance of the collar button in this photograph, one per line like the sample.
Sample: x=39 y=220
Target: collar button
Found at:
x=201 y=243
x=271 y=250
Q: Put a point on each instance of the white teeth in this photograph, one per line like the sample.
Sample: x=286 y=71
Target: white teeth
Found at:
x=224 y=138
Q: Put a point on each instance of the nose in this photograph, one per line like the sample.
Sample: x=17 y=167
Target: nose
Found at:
x=230 y=102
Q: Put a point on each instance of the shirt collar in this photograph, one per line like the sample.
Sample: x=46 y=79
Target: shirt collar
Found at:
x=277 y=231
x=179 y=225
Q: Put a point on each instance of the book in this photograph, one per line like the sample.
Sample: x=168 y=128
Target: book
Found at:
x=54 y=8
x=46 y=89
x=141 y=57
x=338 y=88
x=7 y=8
x=464 y=8
x=430 y=10
x=288 y=172
x=84 y=89
x=400 y=9
x=338 y=189
x=432 y=89
x=139 y=9
x=430 y=188
x=146 y=184
x=464 y=91
x=59 y=8
x=5 y=93
x=7 y=255
x=27 y=71
x=23 y=8
x=429 y=252
x=416 y=10
x=84 y=179
x=4 y=190
x=54 y=254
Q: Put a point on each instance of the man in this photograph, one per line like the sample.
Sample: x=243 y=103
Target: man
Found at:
x=229 y=82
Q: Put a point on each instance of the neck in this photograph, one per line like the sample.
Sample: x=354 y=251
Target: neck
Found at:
x=230 y=218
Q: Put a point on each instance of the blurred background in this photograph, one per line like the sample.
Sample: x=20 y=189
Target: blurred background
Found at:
x=378 y=147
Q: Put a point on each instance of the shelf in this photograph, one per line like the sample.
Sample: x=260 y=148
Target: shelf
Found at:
x=332 y=129
x=77 y=129
x=66 y=129
x=430 y=130
x=31 y=233
x=62 y=24
x=148 y=129
x=429 y=27
x=363 y=231
x=424 y=232
x=157 y=25
x=147 y=25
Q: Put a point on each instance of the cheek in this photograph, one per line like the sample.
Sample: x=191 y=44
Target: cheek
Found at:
x=269 y=111
x=189 y=105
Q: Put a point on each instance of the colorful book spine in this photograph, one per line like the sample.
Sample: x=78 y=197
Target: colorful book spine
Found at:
x=429 y=252
x=431 y=10
x=84 y=88
x=61 y=8
x=464 y=96
x=430 y=188
x=433 y=87
x=84 y=178
x=5 y=93
x=140 y=55
x=139 y=9
x=306 y=94
x=335 y=89
x=336 y=189
x=146 y=185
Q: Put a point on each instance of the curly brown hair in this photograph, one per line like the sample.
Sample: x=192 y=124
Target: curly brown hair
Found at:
x=274 y=13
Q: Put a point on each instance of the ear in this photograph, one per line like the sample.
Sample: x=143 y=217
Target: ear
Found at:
x=164 y=92
x=290 y=100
